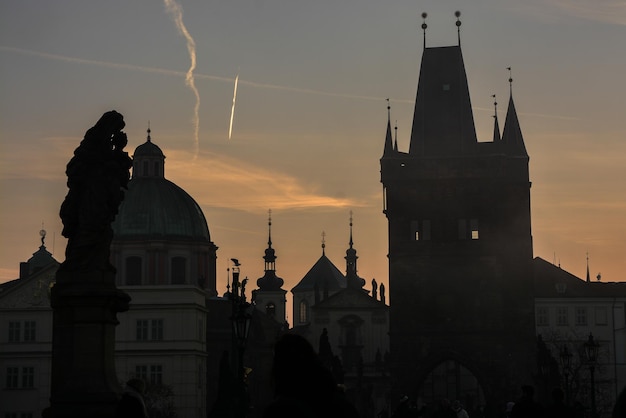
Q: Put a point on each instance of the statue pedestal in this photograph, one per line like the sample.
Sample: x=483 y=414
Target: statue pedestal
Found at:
x=84 y=380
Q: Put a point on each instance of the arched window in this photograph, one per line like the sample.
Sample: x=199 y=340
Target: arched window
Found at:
x=304 y=311
x=133 y=271
x=270 y=309
x=178 y=270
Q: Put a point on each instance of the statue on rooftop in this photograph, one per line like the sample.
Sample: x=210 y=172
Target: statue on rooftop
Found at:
x=96 y=177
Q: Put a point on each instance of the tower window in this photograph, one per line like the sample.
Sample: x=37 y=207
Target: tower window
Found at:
x=270 y=309
x=420 y=231
x=462 y=229
x=474 y=228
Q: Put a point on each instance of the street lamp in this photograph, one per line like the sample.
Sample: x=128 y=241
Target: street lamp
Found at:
x=566 y=362
x=591 y=354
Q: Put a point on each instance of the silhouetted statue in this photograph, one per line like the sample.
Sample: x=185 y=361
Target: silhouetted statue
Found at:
x=96 y=177
x=325 y=351
x=374 y=289
x=382 y=292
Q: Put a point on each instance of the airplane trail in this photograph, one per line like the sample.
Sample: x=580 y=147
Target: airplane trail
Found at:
x=232 y=111
x=176 y=10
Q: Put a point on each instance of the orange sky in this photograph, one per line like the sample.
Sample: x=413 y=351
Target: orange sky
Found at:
x=311 y=115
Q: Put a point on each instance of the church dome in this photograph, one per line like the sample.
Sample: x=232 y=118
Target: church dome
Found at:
x=154 y=207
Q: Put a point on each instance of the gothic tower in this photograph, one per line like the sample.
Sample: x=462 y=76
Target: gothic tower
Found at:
x=460 y=246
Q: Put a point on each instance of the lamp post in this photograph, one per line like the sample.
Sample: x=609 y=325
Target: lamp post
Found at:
x=566 y=363
x=240 y=319
x=591 y=353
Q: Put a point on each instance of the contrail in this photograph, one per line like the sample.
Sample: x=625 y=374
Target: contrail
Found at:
x=176 y=10
x=232 y=111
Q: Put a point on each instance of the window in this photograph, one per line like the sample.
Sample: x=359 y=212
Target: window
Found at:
x=601 y=316
x=270 y=309
x=304 y=311
x=156 y=374
x=12 y=377
x=178 y=270
x=474 y=228
x=30 y=331
x=149 y=329
x=142 y=329
x=561 y=316
x=542 y=317
x=141 y=372
x=133 y=271
x=157 y=329
x=420 y=230
x=28 y=377
x=14 y=331
x=581 y=316
x=462 y=229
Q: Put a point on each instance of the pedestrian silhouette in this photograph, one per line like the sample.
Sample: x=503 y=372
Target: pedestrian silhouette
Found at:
x=132 y=405
x=303 y=386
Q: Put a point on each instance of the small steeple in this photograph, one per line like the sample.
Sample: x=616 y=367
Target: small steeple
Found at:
x=270 y=281
x=496 y=125
x=323 y=243
x=512 y=134
x=588 y=277
x=388 y=139
x=352 y=278
x=395 y=142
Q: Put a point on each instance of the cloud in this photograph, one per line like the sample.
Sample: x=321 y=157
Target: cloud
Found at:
x=218 y=181
x=606 y=11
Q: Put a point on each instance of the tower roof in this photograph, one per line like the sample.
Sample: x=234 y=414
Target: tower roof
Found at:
x=324 y=274
x=443 y=122
x=512 y=133
x=270 y=281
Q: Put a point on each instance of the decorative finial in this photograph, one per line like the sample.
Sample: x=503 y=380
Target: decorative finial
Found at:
x=510 y=80
x=424 y=26
x=323 y=242
x=42 y=234
x=458 y=25
x=388 y=109
x=351 y=229
x=149 y=132
x=395 y=143
x=269 y=225
x=588 y=277
x=495 y=106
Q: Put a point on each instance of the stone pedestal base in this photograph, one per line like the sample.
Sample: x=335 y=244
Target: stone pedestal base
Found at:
x=84 y=381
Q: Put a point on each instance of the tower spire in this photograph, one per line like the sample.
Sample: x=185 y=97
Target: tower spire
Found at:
x=395 y=142
x=496 y=125
x=458 y=25
x=352 y=278
x=388 y=139
x=588 y=277
x=323 y=243
x=269 y=227
x=512 y=133
x=424 y=26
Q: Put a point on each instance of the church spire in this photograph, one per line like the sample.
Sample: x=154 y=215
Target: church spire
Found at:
x=388 y=139
x=496 y=125
x=588 y=277
x=512 y=133
x=352 y=278
x=270 y=281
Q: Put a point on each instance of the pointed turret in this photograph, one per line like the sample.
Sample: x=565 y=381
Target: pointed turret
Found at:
x=388 y=139
x=512 y=133
x=496 y=125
